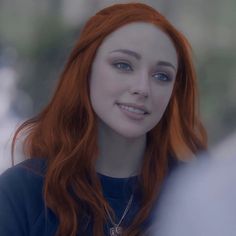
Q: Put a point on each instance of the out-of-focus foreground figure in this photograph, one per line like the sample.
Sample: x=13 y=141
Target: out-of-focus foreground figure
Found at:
x=8 y=118
x=200 y=199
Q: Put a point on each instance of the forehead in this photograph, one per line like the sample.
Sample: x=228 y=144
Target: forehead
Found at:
x=144 y=38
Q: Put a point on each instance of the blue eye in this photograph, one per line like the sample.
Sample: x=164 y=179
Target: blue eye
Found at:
x=123 y=66
x=163 y=77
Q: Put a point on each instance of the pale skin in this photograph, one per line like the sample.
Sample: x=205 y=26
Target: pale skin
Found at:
x=135 y=64
x=120 y=157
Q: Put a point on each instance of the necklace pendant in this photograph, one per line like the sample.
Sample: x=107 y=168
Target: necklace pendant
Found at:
x=114 y=231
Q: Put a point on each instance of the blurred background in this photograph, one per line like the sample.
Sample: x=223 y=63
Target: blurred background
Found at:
x=36 y=38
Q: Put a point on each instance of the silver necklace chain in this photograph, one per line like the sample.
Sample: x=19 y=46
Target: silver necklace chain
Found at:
x=116 y=229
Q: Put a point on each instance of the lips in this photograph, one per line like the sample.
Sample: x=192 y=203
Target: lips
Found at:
x=136 y=106
x=132 y=115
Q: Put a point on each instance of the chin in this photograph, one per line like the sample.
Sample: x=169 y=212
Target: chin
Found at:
x=131 y=135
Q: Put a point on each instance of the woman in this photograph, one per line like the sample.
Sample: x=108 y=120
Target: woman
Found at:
x=123 y=114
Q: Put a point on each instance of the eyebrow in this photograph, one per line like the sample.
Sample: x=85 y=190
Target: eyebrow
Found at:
x=138 y=57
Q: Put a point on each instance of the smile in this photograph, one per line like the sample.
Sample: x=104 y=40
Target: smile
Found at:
x=132 y=109
x=133 y=113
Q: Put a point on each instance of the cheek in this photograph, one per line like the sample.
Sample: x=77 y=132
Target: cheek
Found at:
x=104 y=78
x=162 y=98
x=98 y=83
x=104 y=90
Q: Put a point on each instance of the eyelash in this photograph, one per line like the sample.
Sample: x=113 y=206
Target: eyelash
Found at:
x=167 y=76
x=122 y=63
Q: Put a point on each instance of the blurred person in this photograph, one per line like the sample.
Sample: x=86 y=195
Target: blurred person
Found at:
x=8 y=118
x=200 y=197
x=123 y=116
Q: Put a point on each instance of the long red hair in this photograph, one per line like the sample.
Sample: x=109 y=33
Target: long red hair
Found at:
x=65 y=132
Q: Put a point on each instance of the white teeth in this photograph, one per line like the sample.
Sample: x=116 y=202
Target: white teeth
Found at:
x=131 y=109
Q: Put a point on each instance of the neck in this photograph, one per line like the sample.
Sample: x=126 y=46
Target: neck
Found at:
x=119 y=157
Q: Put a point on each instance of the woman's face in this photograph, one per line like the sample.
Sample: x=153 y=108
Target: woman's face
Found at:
x=135 y=65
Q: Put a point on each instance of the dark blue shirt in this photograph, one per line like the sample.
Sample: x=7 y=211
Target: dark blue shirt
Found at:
x=22 y=209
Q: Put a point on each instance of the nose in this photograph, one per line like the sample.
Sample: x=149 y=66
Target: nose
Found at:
x=140 y=85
